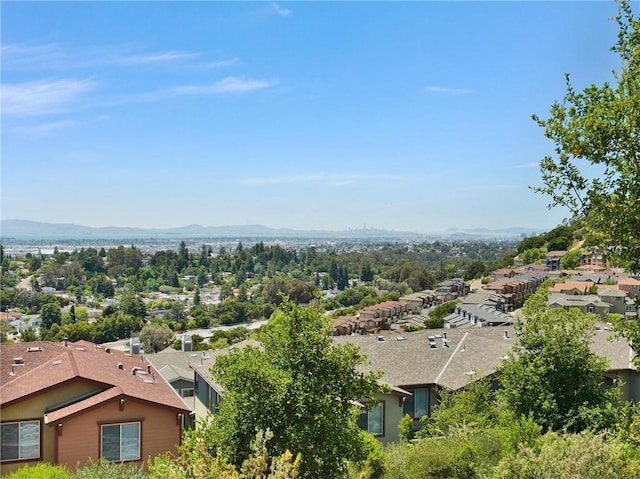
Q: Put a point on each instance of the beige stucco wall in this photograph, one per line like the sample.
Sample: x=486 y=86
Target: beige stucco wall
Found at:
x=392 y=416
x=34 y=407
x=202 y=413
x=631 y=388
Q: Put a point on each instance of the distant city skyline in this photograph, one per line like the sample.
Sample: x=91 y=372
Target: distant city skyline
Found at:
x=407 y=116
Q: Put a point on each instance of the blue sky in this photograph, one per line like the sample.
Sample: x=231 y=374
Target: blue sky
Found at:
x=398 y=115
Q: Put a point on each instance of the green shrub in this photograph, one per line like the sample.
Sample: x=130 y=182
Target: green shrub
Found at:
x=41 y=470
x=583 y=456
x=109 y=470
x=373 y=467
x=410 y=328
x=434 y=323
x=406 y=428
x=445 y=457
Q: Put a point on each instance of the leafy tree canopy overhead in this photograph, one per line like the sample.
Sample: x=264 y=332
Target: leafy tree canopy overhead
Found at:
x=597 y=129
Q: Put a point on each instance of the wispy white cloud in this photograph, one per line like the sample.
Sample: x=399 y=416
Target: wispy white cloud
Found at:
x=226 y=85
x=318 y=178
x=533 y=164
x=156 y=57
x=218 y=64
x=16 y=55
x=43 y=130
x=276 y=8
x=43 y=97
x=448 y=91
x=57 y=57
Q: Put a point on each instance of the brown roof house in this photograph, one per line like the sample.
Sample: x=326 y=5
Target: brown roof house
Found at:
x=64 y=403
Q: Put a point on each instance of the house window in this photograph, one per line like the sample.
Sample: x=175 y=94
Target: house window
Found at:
x=420 y=403
x=19 y=441
x=372 y=420
x=121 y=442
x=417 y=405
x=375 y=420
x=186 y=393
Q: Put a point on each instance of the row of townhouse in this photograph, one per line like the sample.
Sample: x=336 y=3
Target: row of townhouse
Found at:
x=516 y=289
x=416 y=368
x=67 y=403
x=372 y=318
x=452 y=289
x=598 y=298
x=381 y=316
x=420 y=300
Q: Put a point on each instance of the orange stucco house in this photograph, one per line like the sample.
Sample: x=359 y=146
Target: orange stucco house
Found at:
x=64 y=403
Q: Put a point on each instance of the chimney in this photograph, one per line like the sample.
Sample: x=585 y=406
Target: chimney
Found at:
x=187 y=344
x=134 y=345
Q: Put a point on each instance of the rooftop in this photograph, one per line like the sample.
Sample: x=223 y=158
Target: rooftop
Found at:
x=36 y=367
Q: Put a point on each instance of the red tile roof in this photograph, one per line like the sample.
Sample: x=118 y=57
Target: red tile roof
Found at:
x=46 y=365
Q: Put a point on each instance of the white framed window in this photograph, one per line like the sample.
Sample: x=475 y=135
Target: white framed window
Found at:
x=375 y=420
x=19 y=441
x=120 y=442
x=187 y=392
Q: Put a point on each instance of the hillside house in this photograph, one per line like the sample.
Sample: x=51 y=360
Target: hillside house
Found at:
x=425 y=363
x=66 y=403
x=552 y=259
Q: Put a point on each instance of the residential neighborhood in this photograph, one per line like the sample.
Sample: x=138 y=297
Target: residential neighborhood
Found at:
x=69 y=401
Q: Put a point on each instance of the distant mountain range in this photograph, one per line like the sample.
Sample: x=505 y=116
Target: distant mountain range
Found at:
x=23 y=229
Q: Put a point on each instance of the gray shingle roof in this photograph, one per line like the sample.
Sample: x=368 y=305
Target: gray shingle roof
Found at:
x=472 y=354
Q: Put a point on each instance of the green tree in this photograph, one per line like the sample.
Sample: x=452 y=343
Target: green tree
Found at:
x=476 y=269
x=5 y=330
x=571 y=260
x=28 y=335
x=552 y=373
x=343 y=278
x=531 y=255
x=473 y=408
x=300 y=386
x=366 y=274
x=100 y=284
x=597 y=130
x=154 y=337
x=177 y=312
x=50 y=314
x=437 y=314
x=132 y=304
